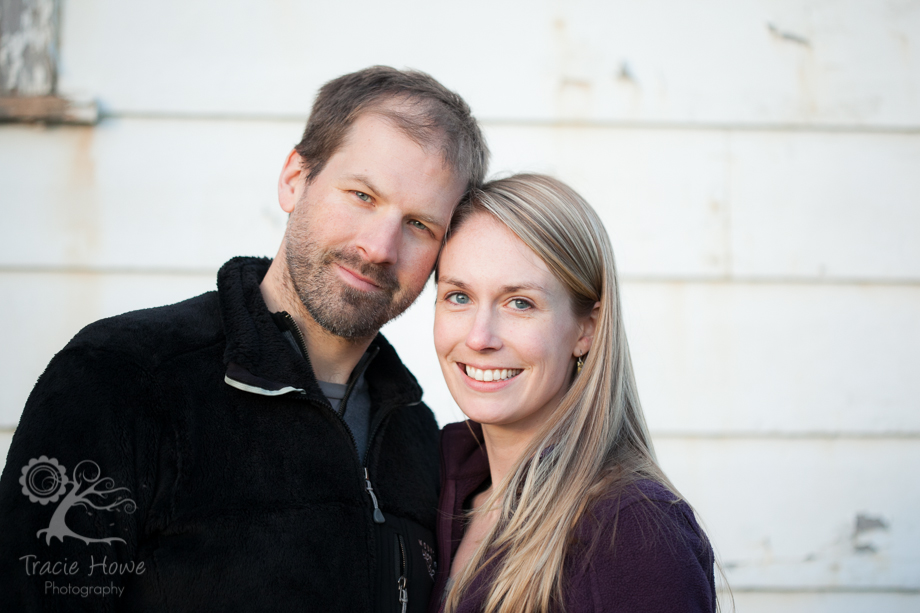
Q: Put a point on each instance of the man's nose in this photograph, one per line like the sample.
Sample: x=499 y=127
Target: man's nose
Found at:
x=483 y=335
x=379 y=238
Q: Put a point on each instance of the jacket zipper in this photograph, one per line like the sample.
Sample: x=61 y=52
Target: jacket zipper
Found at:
x=300 y=340
x=401 y=582
x=378 y=514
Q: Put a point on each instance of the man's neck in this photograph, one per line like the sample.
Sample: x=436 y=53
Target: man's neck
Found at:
x=333 y=357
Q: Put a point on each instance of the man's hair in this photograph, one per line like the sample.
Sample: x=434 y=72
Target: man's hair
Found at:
x=426 y=111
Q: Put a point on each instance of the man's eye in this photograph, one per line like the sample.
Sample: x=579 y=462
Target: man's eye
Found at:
x=458 y=298
x=520 y=304
x=418 y=224
x=363 y=196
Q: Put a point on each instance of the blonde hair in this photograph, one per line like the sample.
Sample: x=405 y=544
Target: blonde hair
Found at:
x=597 y=441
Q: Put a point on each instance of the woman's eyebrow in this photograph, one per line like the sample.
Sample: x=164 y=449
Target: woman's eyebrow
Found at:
x=510 y=289
x=505 y=289
x=455 y=282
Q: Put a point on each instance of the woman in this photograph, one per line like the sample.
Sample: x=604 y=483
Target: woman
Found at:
x=551 y=497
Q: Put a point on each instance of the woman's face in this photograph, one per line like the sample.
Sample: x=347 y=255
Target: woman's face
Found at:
x=504 y=329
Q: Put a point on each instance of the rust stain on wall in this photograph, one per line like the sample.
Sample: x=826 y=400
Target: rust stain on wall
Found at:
x=78 y=207
x=575 y=87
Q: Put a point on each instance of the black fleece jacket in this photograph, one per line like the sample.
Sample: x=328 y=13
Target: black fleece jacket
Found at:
x=240 y=487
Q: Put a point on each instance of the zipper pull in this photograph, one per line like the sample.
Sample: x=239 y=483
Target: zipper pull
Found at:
x=403 y=593
x=401 y=582
x=378 y=514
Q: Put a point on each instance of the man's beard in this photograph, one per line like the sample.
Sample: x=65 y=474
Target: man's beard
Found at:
x=337 y=307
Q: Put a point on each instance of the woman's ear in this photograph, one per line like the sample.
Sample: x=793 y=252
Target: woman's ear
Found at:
x=588 y=326
x=292 y=181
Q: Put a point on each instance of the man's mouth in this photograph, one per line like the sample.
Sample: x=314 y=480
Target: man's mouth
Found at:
x=491 y=374
x=377 y=277
x=360 y=278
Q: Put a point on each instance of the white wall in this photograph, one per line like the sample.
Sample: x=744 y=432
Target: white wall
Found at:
x=756 y=164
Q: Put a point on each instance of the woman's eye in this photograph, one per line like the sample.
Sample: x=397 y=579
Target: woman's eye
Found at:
x=363 y=196
x=458 y=298
x=520 y=304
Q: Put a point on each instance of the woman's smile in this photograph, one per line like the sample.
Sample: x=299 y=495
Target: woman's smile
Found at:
x=490 y=374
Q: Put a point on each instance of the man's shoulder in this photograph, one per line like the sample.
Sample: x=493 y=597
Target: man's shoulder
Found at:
x=153 y=334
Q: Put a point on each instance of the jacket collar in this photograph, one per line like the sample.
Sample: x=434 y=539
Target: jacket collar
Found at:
x=463 y=453
x=464 y=469
x=259 y=360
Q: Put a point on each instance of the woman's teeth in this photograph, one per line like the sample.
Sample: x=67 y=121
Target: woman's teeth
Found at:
x=499 y=374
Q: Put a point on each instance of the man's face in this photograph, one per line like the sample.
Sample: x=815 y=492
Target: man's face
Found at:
x=364 y=235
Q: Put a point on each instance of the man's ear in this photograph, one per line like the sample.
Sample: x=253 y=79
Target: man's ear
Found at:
x=292 y=181
x=588 y=326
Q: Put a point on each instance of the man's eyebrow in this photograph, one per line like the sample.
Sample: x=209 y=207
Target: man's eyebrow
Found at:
x=431 y=221
x=428 y=219
x=366 y=180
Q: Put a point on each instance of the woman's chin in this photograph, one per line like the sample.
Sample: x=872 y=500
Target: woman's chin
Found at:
x=505 y=420
x=487 y=416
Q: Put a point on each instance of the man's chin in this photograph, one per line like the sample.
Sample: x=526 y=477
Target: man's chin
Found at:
x=353 y=314
x=347 y=321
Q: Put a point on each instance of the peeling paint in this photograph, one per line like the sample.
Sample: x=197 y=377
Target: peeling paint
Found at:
x=28 y=47
x=788 y=36
x=866 y=523
x=625 y=73
x=867 y=536
x=866 y=529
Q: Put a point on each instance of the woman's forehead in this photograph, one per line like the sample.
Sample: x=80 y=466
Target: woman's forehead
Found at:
x=485 y=252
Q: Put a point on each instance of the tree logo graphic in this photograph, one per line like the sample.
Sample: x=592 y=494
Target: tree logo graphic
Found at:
x=44 y=481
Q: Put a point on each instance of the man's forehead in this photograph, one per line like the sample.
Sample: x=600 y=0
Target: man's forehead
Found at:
x=375 y=130
x=404 y=119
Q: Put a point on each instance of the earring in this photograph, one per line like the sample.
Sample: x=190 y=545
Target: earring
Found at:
x=579 y=363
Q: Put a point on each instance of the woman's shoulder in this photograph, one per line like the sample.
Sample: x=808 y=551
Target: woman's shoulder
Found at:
x=644 y=513
x=644 y=498
x=641 y=547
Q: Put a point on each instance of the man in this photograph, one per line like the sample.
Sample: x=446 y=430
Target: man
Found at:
x=261 y=447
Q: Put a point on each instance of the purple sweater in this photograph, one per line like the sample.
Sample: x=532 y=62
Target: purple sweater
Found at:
x=660 y=560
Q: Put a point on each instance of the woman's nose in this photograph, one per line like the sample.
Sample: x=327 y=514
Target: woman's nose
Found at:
x=483 y=335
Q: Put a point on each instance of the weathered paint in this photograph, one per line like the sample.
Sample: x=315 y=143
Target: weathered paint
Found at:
x=28 y=47
x=784 y=514
x=679 y=204
x=711 y=61
x=844 y=601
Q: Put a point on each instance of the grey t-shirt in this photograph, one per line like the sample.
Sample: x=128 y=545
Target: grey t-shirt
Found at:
x=356 y=411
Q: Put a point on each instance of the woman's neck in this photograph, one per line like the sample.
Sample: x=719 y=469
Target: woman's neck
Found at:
x=504 y=448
